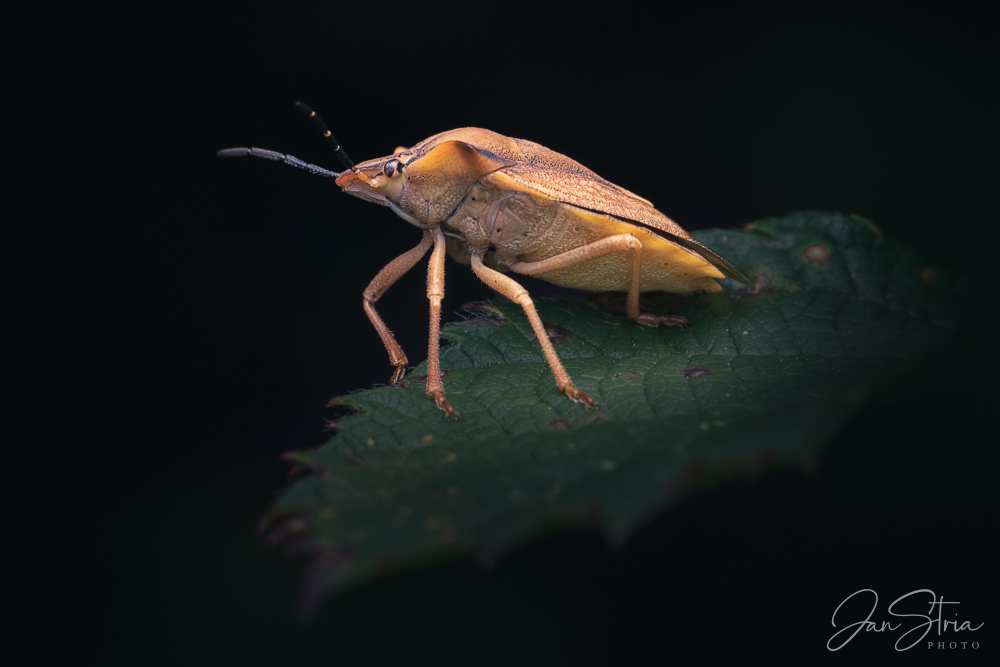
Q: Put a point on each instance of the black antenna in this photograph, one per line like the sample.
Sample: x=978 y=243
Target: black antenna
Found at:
x=321 y=126
x=291 y=159
x=277 y=157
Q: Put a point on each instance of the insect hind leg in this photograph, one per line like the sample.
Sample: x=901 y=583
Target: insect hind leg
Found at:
x=605 y=246
x=516 y=293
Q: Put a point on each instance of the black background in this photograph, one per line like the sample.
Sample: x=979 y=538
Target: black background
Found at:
x=229 y=310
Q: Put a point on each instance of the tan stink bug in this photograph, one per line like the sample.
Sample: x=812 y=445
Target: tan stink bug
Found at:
x=510 y=205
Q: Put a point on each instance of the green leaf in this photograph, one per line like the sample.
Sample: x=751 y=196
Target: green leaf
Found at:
x=767 y=375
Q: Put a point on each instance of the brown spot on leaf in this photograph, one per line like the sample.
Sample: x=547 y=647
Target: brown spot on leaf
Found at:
x=817 y=253
x=558 y=425
x=597 y=420
x=760 y=283
x=927 y=275
x=697 y=371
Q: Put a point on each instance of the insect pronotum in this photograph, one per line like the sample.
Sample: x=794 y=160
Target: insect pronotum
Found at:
x=509 y=205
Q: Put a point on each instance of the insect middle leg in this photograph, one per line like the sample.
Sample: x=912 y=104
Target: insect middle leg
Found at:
x=605 y=246
x=435 y=292
x=513 y=291
x=377 y=287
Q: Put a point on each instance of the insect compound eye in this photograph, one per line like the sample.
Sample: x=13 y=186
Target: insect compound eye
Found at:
x=391 y=168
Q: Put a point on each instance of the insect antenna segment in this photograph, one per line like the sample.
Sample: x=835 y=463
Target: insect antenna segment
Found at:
x=291 y=159
x=321 y=126
x=277 y=157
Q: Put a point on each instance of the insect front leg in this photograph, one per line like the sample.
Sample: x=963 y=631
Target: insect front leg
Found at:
x=377 y=287
x=435 y=293
x=513 y=291
x=605 y=246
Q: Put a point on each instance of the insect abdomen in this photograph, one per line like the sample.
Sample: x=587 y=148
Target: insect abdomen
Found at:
x=666 y=267
x=526 y=228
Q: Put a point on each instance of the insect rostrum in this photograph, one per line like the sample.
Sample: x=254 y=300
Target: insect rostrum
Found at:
x=506 y=205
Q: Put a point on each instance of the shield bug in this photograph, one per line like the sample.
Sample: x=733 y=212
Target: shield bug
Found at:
x=506 y=205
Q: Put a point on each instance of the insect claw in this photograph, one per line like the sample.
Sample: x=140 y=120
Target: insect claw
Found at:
x=580 y=397
x=443 y=404
x=656 y=320
x=675 y=320
x=397 y=376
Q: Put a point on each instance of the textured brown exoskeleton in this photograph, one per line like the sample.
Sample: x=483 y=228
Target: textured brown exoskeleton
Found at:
x=510 y=205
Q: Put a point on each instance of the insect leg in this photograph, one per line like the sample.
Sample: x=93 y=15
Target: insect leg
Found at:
x=513 y=291
x=605 y=246
x=435 y=292
x=377 y=287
